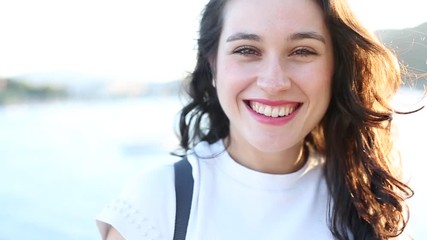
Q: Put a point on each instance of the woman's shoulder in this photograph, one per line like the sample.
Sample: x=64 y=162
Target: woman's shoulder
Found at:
x=151 y=181
x=145 y=208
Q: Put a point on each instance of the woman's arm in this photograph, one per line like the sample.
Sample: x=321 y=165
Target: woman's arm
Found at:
x=113 y=234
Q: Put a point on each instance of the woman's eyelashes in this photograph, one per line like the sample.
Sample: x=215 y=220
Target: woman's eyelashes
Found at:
x=247 y=51
x=252 y=51
x=303 y=52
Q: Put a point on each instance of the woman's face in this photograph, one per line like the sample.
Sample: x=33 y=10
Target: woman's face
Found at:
x=273 y=73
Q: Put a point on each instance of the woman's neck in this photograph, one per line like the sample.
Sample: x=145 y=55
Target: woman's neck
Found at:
x=283 y=162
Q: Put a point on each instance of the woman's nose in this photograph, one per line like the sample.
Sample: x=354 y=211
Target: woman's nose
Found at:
x=273 y=78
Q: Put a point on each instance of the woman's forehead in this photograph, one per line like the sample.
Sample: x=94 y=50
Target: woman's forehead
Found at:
x=279 y=16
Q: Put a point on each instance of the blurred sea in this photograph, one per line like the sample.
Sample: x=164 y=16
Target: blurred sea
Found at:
x=61 y=162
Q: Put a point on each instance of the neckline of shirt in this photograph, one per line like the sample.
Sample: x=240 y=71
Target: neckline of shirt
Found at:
x=216 y=154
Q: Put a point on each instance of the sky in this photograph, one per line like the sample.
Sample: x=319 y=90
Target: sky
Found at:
x=132 y=40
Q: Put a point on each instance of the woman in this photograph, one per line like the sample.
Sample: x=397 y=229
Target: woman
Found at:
x=288 y=132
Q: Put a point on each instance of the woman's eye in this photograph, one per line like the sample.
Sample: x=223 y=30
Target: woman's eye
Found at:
x=304 y=52
x=246 y=50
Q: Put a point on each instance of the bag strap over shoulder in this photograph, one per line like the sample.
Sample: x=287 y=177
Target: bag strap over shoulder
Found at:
x=184 y=194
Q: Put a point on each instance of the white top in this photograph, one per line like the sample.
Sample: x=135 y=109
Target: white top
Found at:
x=230 y=201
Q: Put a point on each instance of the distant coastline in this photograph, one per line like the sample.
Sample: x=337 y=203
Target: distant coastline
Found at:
x=410 y=46
x=16 y=91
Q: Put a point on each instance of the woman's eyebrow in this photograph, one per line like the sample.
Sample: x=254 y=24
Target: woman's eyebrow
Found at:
x=309 y=35
x=243 y=36
x=292 y=37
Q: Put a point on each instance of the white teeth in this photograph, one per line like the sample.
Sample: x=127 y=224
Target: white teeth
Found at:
x=270 y=111
x=282 y=112
x=267 y=111
x=275 y=112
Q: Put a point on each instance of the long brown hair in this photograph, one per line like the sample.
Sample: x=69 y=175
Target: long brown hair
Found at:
x=367 y=199
x=356 y=135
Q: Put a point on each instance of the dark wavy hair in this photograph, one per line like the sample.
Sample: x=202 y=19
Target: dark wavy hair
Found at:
x=367 y=199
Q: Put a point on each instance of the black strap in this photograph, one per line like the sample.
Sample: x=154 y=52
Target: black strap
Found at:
x=184 y=194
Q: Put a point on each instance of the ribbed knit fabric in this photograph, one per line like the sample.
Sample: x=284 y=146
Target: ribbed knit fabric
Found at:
x=230 y=202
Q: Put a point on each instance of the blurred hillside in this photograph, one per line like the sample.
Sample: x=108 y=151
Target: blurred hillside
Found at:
x=34 y=89
x=15 y=91
x=410 y=45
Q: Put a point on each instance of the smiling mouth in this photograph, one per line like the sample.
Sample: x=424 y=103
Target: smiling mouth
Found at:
x=273 y=111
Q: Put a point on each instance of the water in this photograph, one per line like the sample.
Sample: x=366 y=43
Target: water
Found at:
x=61 y=162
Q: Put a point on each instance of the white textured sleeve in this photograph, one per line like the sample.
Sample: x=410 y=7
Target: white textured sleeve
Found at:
x=145 y=209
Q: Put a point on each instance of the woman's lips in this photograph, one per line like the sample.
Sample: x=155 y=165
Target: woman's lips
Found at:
x=273 y=108
x=273 y=112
